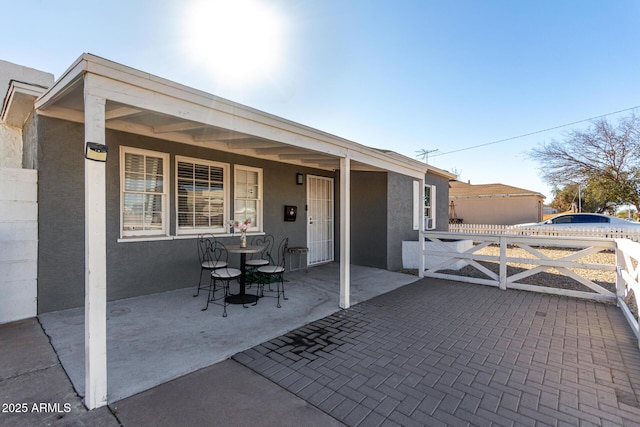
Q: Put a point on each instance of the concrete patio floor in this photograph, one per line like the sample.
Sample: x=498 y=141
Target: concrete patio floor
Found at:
x=157 y=338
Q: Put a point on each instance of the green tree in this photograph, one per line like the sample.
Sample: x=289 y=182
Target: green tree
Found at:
x=588 y=198
x=604 y=159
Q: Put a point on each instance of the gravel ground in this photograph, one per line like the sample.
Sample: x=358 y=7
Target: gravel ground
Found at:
x=552 y=277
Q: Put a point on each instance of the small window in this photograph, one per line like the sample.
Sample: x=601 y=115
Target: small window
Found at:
x=202 y=196
x=143 y=192
x=429 y=207
x=248 y=196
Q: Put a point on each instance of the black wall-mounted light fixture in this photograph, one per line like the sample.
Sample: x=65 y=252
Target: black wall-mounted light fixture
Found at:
x=299 y=178
x=95 y=151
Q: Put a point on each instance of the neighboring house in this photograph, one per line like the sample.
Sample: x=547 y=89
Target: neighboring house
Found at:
x=19 y=86
x=494 y=203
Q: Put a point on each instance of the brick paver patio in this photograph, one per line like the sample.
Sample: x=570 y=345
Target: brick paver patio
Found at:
x=444 y=353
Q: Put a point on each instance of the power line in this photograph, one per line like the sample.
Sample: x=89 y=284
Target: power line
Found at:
x=536 y=132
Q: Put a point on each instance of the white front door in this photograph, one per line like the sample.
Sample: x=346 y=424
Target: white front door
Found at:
x=320 y=219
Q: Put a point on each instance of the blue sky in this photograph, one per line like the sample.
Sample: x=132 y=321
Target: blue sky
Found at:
x=402 y=75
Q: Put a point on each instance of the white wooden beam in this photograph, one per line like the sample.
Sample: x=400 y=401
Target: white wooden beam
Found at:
x=250 y=144
x=220 y=136
x=178 y=127
x=345 y=232
x=307 y=156
x=328 y=160
x=95 y=310
x=121 y=112
x=63 y=113
x=277 y=151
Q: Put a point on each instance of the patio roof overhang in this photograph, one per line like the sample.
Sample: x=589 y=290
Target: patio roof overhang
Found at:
x=105 y=95
x=144 y=104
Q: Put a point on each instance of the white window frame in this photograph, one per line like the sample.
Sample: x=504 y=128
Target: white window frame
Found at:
x=259 y=216
x=417 y=205
x=226 y=183
x=164 y=231
x=432 y=208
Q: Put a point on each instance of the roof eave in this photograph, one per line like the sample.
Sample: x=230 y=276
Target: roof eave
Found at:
x=19 y=102
x=88 y=63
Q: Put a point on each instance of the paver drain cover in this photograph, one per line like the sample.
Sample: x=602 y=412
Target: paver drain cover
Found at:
x=319 y=339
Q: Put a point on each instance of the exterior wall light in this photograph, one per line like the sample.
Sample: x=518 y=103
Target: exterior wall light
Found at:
x=299 y=178
x=95 y=151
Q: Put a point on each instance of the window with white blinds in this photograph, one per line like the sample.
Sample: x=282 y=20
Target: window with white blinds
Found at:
x=202 y=196
x=143 y=192
x=429 y=207
x=248 y=196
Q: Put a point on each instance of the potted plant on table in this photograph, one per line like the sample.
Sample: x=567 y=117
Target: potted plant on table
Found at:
x=243 y=226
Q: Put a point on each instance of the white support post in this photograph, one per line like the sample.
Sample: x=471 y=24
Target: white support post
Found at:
x=95 y=288
x=345 y=232
x=503 y=263
x=421 y=228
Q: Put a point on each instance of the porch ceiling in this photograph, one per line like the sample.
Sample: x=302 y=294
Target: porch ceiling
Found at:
x=142 y=104
x=158 y=125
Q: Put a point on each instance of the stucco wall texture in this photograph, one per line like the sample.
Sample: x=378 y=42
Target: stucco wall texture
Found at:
x=381 y=217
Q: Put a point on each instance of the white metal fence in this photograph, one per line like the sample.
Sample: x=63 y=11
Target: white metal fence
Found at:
x=515 y=259
x=631 y=233
x=627 y=286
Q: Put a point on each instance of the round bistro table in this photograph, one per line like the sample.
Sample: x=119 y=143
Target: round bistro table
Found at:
x=243 y=297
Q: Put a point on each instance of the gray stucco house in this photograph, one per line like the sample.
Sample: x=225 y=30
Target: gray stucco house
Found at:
x=182 y=162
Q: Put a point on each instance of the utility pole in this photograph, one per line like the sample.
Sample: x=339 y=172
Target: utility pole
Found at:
x=579 y=198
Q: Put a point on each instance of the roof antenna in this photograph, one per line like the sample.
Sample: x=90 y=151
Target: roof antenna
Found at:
x=424 y=154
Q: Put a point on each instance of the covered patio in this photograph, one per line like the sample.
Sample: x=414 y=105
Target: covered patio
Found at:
x=156 y=338
x=115 y=148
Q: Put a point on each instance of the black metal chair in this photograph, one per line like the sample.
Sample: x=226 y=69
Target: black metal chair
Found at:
x=259 y=259
x=275 y=272
x=207 y=263
x=221 y=274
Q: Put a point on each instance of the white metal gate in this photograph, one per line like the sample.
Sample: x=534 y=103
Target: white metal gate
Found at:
x=320 y=219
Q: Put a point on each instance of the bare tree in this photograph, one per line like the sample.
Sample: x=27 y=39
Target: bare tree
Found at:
x=457 y=172
x=605 y=157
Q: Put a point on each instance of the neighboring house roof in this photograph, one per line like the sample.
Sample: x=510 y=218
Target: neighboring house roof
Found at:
x=463 y=190
x=18 y=103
